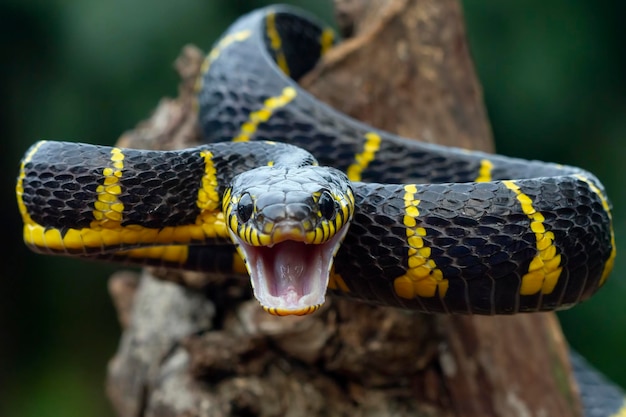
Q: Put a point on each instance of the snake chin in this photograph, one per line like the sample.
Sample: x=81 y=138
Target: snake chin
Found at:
x=291 y=277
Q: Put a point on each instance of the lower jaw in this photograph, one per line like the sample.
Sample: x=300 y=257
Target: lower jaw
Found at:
x=277 y=311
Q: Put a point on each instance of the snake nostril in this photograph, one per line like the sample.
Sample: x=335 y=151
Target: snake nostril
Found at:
x=245 y=207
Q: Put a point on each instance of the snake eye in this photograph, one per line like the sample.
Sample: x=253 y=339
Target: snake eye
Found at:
x=245 y=207
x=326 y=204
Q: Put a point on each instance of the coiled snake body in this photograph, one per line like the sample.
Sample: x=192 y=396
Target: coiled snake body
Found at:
x=433 y=228
x=409 y=224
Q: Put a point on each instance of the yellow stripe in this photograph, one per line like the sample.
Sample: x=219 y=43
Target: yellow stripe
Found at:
x=484 y=172
x=336 y=282
x=170 y=253
x=108 y=208
x=544 y=270
x=327 y=38
x=363 y=159
x=103 y=239
x=239 y=265
x=249 y=128
x=19 y=188
x=423 y=278
x=208 y=198
x=608 y=267
x=217 y=50
x=276 y=43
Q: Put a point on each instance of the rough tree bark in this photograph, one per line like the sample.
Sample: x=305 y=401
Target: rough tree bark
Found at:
x=194 y=346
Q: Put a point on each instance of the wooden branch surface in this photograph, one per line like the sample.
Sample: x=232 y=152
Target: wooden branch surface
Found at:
x=196 y=346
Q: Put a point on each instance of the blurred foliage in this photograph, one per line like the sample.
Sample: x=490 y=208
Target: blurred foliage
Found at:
x=87 y=70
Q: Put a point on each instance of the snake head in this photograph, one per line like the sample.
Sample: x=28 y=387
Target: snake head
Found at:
x=288 y=224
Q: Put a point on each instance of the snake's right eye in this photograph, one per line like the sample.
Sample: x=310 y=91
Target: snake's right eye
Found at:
x=326 y=205
x=245 y=207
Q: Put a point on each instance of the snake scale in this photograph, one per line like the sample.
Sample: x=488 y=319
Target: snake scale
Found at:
x=305 y=199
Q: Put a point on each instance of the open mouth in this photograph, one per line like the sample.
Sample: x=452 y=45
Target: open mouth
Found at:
x=291 y=277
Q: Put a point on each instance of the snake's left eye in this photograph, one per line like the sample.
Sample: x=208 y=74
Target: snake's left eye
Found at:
x=326 y=205
x=245 y=207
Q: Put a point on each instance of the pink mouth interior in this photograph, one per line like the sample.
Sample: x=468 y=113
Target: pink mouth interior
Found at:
x=289 y=268
x=291 y=276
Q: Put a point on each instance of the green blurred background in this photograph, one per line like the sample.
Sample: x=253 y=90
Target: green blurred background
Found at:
x=553 y=76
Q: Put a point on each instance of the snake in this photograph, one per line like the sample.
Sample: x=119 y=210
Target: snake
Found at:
x=308 y=201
